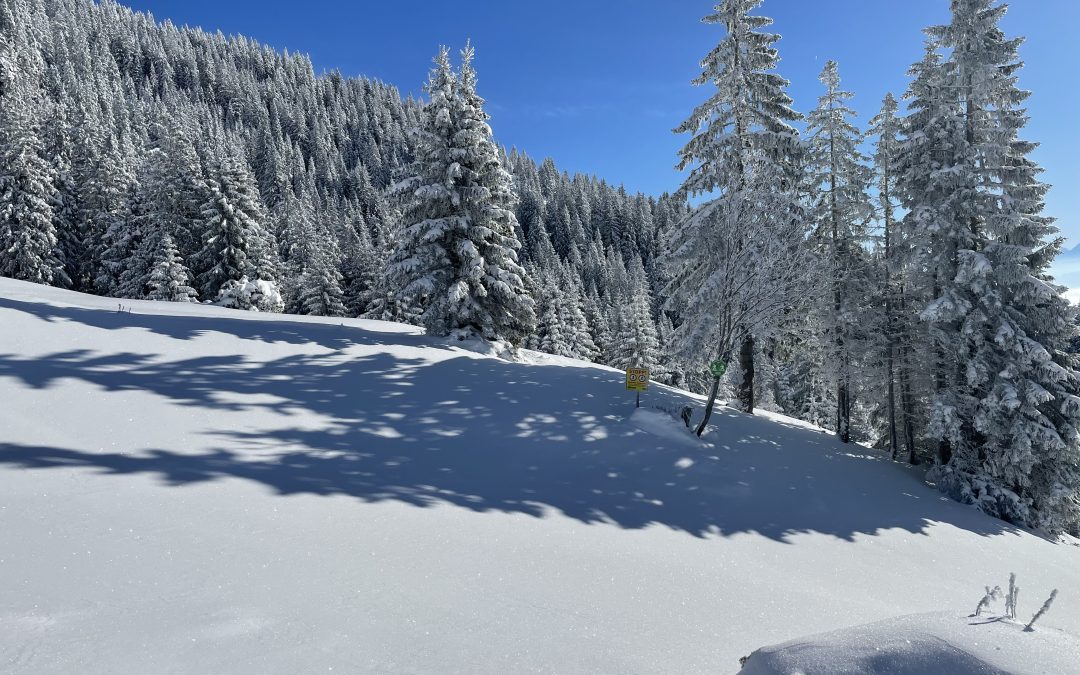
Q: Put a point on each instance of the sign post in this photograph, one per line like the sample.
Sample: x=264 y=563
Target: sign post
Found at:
x=637 y=379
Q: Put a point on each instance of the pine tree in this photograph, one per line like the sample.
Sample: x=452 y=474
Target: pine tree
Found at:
x=570 y=302
x=895 y=343
x=103 y=204
x=458 y=253
x=383 y=300
x=170 y=278
x=71 y=247
x=493 y=300
x=840 y=179
x=421 y=266
x=320 y=287
x=360 y=265
x=635 y=343
x=1006 y=406
x=236 y=244
x=172 y=188
x=28 y=244
x=735 y=258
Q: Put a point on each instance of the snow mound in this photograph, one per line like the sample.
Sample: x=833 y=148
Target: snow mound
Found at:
x=924 y=644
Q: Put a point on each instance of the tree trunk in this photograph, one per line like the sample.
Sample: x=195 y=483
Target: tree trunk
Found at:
x=890 y=321
x=843 y=410
x=891 y=398
x=907 y=409
x=709 y=406
x=746 y=364
x=906 y=406
x=843 y=395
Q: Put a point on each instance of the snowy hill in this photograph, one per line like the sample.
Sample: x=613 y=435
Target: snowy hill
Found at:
x=192 y=489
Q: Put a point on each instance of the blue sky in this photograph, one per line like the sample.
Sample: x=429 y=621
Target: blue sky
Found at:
x=599 y=85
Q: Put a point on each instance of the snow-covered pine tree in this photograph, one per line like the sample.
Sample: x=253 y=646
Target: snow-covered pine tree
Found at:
x=168 y=190
x=551 y=337
x=384 y=301
x=839 y=181
x=490 y=292
x=736 y=259
x=169 y=280
x=172 y=187
x=571 y=315
x=458 y=251
x=925 y=186
x=635 y=343
x=1011 y=413
x=360 y=264
x=599 y=327
x=57 y=154
x=103 y=202
x=421 y=267
x=236 y=244
x=303 y=248
x=7 y=53
x=896 y=336
x=28 y=244
x=320 y=289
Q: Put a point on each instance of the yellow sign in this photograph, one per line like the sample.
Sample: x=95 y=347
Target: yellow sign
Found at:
x=637 y=379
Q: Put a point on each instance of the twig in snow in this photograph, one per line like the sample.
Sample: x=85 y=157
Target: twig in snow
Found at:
x=1042 y=610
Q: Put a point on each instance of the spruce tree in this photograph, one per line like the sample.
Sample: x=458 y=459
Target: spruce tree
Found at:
x=236 y=244
x=421 y=266
x=635 y=343
x=571 y=315
x=735 y=258
x=458 y=253
x=169 y=278
x=896 y=337
x=840 y=178
x=28 y=244
x=1008 y=410
x=360 y=265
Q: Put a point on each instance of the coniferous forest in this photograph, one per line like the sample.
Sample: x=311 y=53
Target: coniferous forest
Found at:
x=889 y=284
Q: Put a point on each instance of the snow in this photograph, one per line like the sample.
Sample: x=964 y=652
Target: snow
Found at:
x=924 y=644
x=186 y=488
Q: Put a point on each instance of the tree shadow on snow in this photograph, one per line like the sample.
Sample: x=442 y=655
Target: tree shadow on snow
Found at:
x=487 y=435
x=270 y=328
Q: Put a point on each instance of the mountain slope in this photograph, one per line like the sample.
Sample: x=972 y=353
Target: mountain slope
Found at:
x=195 y=489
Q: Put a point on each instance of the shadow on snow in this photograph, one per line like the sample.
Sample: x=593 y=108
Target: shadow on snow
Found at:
x=485 y=435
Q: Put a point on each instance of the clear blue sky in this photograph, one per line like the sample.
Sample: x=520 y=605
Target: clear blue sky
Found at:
x=599 y=85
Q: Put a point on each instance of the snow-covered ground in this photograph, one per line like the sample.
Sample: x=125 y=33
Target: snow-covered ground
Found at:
x=192 y=489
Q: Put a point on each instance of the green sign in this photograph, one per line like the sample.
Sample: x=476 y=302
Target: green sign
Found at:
x=718 y=368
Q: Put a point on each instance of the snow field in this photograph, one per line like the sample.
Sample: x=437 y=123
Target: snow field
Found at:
x=186 y=488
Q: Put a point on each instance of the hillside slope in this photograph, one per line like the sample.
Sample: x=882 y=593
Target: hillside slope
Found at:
x=185 y=488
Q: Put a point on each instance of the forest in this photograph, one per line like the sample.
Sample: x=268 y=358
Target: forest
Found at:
x=888 y=284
